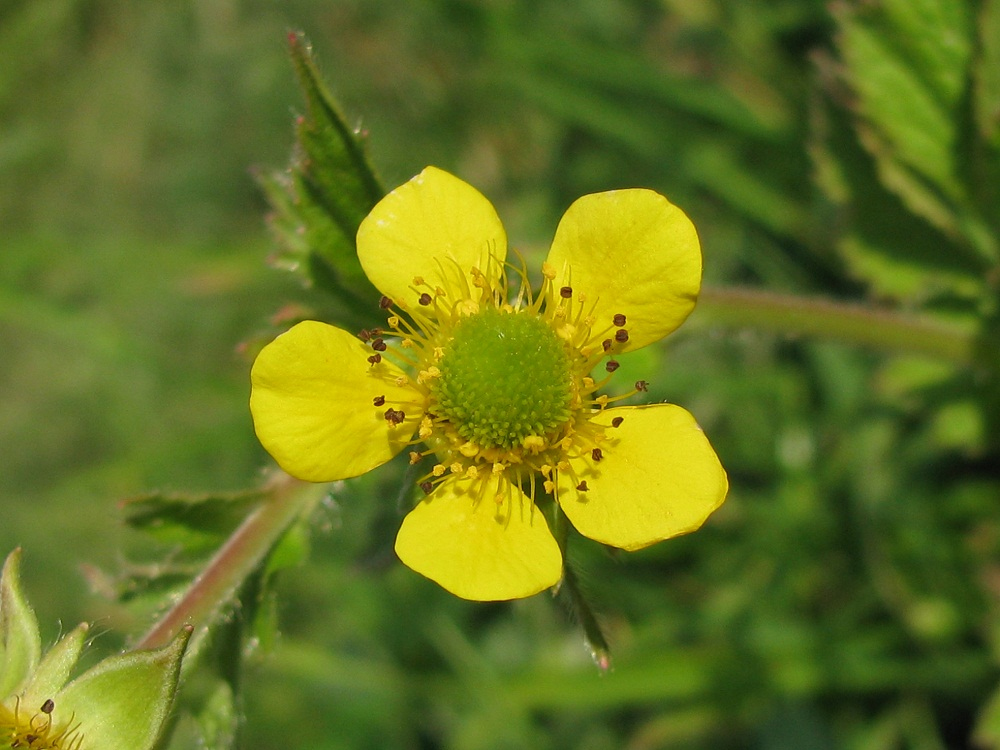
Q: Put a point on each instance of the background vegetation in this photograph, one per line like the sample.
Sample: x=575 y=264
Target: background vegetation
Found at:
x=847 y=593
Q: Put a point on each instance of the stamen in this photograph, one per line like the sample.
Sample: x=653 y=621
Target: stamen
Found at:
x=582 y=487
x=619 y=320
x=617 y=421
x=621 y=335
x=379 y=401
x=384 y=302
x=611 y=365
x=641 y=385
x=596 y=454
x=394 y=416
x=379 y=345
x=426 y=487
x=566 y=292
x=425 y=299
x=375 y=359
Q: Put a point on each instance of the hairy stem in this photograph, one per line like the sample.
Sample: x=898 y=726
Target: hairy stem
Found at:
x=851 y=323
x=244 y=551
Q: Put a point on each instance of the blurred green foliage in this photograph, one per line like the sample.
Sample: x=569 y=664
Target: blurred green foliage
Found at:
x=847 y=593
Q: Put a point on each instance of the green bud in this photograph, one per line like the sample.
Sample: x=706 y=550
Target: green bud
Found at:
x=119 y=704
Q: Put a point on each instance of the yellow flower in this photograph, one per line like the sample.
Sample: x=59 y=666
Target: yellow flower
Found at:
x=501 y=393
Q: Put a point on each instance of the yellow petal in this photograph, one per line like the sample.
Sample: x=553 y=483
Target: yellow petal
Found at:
x=312 y=404
x=658 y=478
x=476 y=548
x=630 y=252
x=435 y=227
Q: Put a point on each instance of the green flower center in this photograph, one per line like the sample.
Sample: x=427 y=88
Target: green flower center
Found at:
x=505 y=376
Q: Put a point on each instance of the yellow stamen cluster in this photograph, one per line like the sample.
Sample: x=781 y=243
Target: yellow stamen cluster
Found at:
x=27 y=730
x=423 y=339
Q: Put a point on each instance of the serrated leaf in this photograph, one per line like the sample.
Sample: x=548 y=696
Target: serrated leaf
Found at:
x=195 y=523
x=918 y=127
x=321 y=199
x=987 y=74
x=883 y=243
x=935 y=35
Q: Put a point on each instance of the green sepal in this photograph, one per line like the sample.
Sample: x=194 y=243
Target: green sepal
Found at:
x=54 y=669
x=328 y=189
x=20 y=643
x=123 y=702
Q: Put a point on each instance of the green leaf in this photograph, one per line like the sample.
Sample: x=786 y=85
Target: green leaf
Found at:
x=321 y=199
x=987 y=74
x=902 y=255
x=20 y=644
x=195 y=523
x=913 y=115
x=935 y=35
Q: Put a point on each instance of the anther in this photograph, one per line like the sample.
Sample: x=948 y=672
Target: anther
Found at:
x=582 y=487
x=621 y=335
x=384 y=302
x=611 y=365
x=566 y=292
x=607 y=344
x=641 y=385
x=48 y=707
x=394 y=416
x=617 y=421
x=425 y=299
x=365 y=335
x=379 y=401
x=375 y=359
x=619 y=320
x=426 y=487
x=379 y=345
x=596 y=454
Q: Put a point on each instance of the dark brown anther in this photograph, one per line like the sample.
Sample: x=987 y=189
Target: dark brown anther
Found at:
x=394 y=416
x=582 y=487
x=384 y=302
x=365 y=335
x=377 y=331
x=611 y=365
x=619 y=320
x=596 y=454
x=49 y=706
x=621 y=335
x=617 y=421
x=379 y=345
x=375 y=359
x=425 y=299
x=379 y=401
x=566 y=292
x=607 y=344
x=426 y=487
x=641 y=385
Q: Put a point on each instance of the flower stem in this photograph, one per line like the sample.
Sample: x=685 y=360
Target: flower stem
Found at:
x=887 y=330
x=236 y=560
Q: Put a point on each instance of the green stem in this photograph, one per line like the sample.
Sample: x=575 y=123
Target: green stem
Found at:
x=237 y=559
x=577 y=602
x=851 y=323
